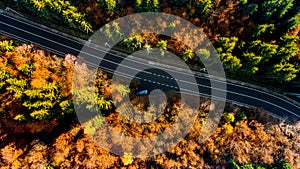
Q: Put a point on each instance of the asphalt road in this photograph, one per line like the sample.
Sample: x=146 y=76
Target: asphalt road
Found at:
x=236 y=93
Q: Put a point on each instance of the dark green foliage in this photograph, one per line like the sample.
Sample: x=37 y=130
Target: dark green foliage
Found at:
x=252 y=8
x=225 y=48
x=204 y=7
x=260 y=54
x=57 y=9
x=247 y=166
x=284 y=14
x=294 y=21
x=288 y=47
x=133 y=43
x=241 y=116
x=231 y=164
x=259 y=57
x=147 y=6
x=263 y=30
x=232 y=63
x=108 y=4
x=4 y=75
x=263 y=49
x=276 y=8
x=285 y=71
x=281 y=165
x=40 y=104
x=258 y=166
x=226 y=44
x=243 y=2
x=91 y=101
x=180 y=2
x=270 y=10
x=251 y=63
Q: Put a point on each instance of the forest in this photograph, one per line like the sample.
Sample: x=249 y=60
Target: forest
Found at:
x=39 y=128
x=257 y=41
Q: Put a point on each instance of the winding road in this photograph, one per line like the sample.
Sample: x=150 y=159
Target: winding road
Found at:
x=23 y=30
